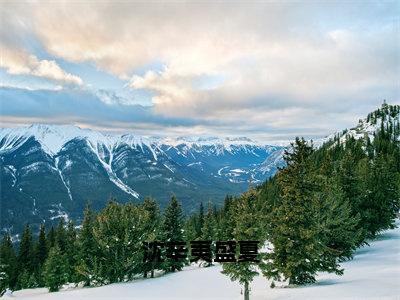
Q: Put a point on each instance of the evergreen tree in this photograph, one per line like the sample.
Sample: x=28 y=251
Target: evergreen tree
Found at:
x=61 y=236
x=200 y=221
x=71 y=251
x=41 y=246
x=295 y=232
x=51 y=238
x=172 y=231
x=8 y=264
x=86 y=247
x=55 y=269
x=120 y=231
x=190 y=228
x=210 y=226
x=40 y=254
x=4 y=280
x=247 y=220
x=25 y=258
x=152 y=231
x=339 y=227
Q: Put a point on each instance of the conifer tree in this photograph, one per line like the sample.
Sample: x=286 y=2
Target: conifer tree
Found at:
x=51 y=238
x=71 y=251
x=61 y=236
x=40 y=254
x=120 y=231
x=248 y=221
x=55 y=271
x=25 y=258
x=295 y=232
x=152 y=231
x=8 y=263
x=41 y=247
x=210 y=226
x=200 y=221
x=4 y=280
x=86 y=247
x=172 y=231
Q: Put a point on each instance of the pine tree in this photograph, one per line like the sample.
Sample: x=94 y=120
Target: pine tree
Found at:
x=40 y=254
x=120 y=231
x=25 y=258
x=152 y=231
x=71 y=251
x=61 y=236
x=172 y=231
x=4 y=279
x=248 y=220
x=55 y=269
x=86 y=247
x=295 y=233
x=379 y=199
x=200 y=221
x=51 y=238
x=339 y=227
x=8 y=263
x=41 y=247
x=209 y=228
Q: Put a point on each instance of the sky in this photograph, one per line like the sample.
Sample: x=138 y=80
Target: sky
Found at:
x=268 y=70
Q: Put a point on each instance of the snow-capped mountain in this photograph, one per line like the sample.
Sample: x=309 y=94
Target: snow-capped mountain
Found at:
x=384 y=117
x=52 y=171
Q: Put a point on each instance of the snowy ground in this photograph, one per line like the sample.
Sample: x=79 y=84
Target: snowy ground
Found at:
x=373 y=274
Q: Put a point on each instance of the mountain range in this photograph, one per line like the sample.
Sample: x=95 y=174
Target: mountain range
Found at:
x=53 y=171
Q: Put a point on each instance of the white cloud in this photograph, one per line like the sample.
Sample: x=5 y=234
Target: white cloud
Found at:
x=282 y=64
x=18 y=62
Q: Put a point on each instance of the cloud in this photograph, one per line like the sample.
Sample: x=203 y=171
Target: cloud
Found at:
x=268 y=66
x=18 y=62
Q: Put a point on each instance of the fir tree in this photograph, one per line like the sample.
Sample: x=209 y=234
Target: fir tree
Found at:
x=55 y=271
x=8 y=263
x=86 y=247
x=40 y=253
x=25 y=258
x=172 y=231
x=210 y=226
x=247 y=220
x=51 y=238
x=200 y=221
x=295 y=233
x=71 y=251
x=152 y=230
x=120 y=231
x=61 y=236
x=41 y=247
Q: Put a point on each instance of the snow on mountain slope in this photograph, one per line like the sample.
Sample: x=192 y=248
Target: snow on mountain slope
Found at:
x=385 y=116
x=67 y=166
x=373 y=274
x=54 y=137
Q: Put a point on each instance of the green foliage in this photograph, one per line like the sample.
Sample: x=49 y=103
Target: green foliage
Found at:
x=71 y=251
x=152 y=232
x=55 y=271
x=8 y=264
x=247 y=226
x=209 y=228
x=40 y=253
x=25 y=254
x=120 y=231
x=172 y=231
x=87 y=247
